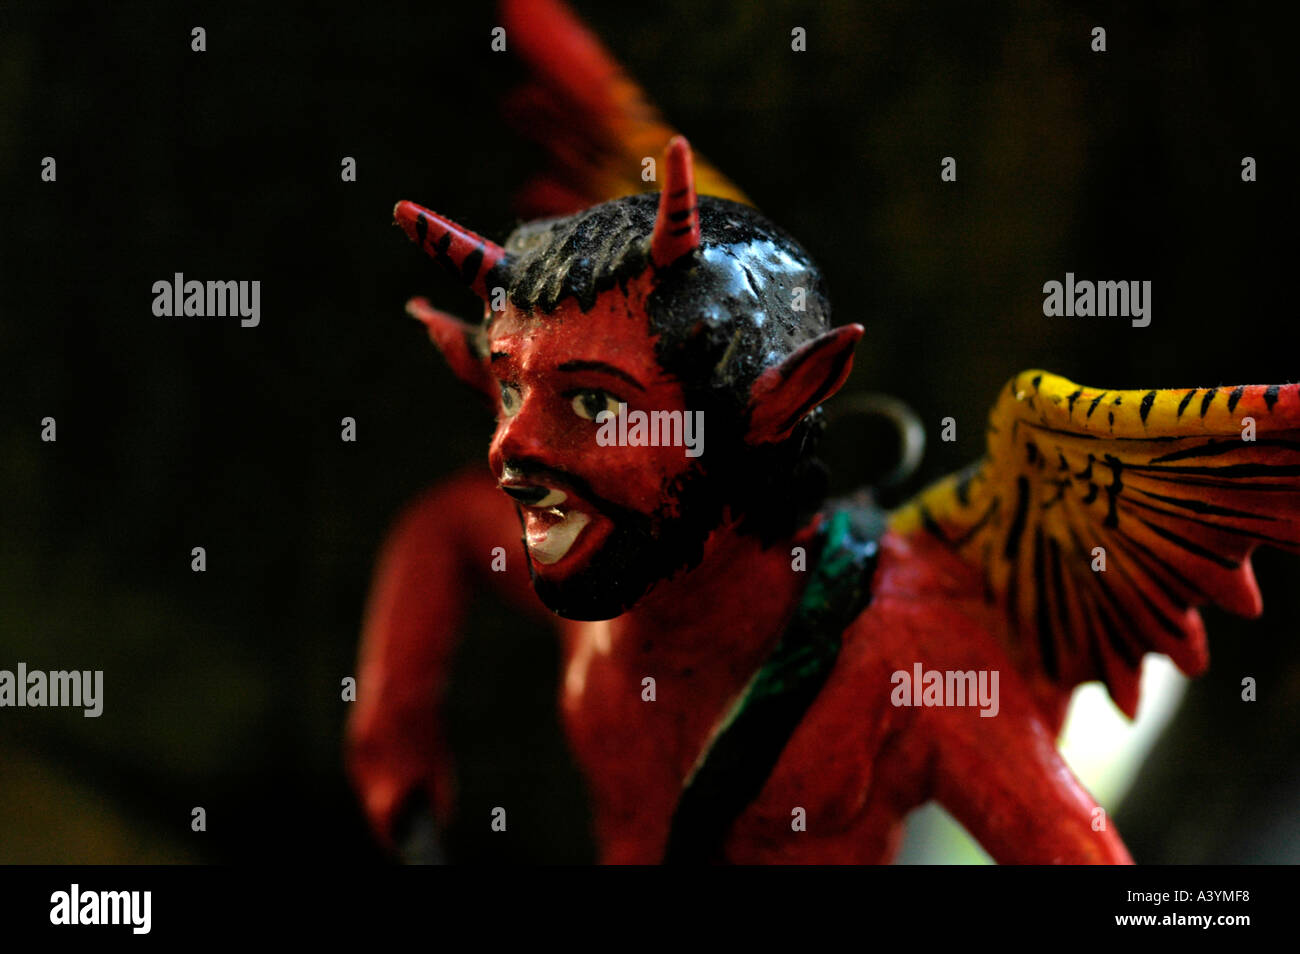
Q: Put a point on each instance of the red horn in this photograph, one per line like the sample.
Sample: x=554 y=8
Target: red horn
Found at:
x=468 y=256
x=677 y=227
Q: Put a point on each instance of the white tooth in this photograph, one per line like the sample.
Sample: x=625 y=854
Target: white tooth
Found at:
x=553 y=499
x=552 y=545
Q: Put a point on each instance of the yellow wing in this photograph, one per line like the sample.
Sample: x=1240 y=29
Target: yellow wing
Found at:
x=595 y=123
x=1172 y=489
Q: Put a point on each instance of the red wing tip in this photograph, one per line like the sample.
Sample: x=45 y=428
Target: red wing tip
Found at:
x=1252 y=604
x=418 y=308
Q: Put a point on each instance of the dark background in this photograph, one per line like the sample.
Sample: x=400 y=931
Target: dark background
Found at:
x=222 y=688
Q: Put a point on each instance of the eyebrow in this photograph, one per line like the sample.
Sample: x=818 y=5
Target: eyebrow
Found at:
x=602 y=366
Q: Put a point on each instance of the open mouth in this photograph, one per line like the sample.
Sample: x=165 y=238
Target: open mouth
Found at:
x=551 y=523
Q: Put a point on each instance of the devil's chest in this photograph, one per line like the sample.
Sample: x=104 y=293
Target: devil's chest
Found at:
x=638 y=727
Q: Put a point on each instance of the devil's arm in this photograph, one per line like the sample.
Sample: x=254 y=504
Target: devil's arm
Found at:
x=1004 y=780
x=438 y=554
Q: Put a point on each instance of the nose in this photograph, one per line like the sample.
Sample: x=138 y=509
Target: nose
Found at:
x=525 y=436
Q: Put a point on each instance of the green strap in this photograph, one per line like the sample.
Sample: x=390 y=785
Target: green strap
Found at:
x=749 y=740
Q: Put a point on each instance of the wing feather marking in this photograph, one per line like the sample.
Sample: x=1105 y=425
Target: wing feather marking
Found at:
x=1179 y=502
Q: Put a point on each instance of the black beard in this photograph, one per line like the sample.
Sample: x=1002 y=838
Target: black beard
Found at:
x=641 y=550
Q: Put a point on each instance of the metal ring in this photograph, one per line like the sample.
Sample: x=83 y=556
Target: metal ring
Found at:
x=906 y=422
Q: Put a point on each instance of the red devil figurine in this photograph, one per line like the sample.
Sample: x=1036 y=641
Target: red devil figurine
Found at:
x=752 y=673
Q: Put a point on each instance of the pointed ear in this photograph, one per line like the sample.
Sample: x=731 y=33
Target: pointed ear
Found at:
x=455 y=339
x=783 y=394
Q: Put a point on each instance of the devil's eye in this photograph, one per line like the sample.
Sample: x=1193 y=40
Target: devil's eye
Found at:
x=589 y=402
x=510 y=399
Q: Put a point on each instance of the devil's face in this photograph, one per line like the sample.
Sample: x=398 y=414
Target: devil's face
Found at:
x=601 y=523
x=604 y=521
